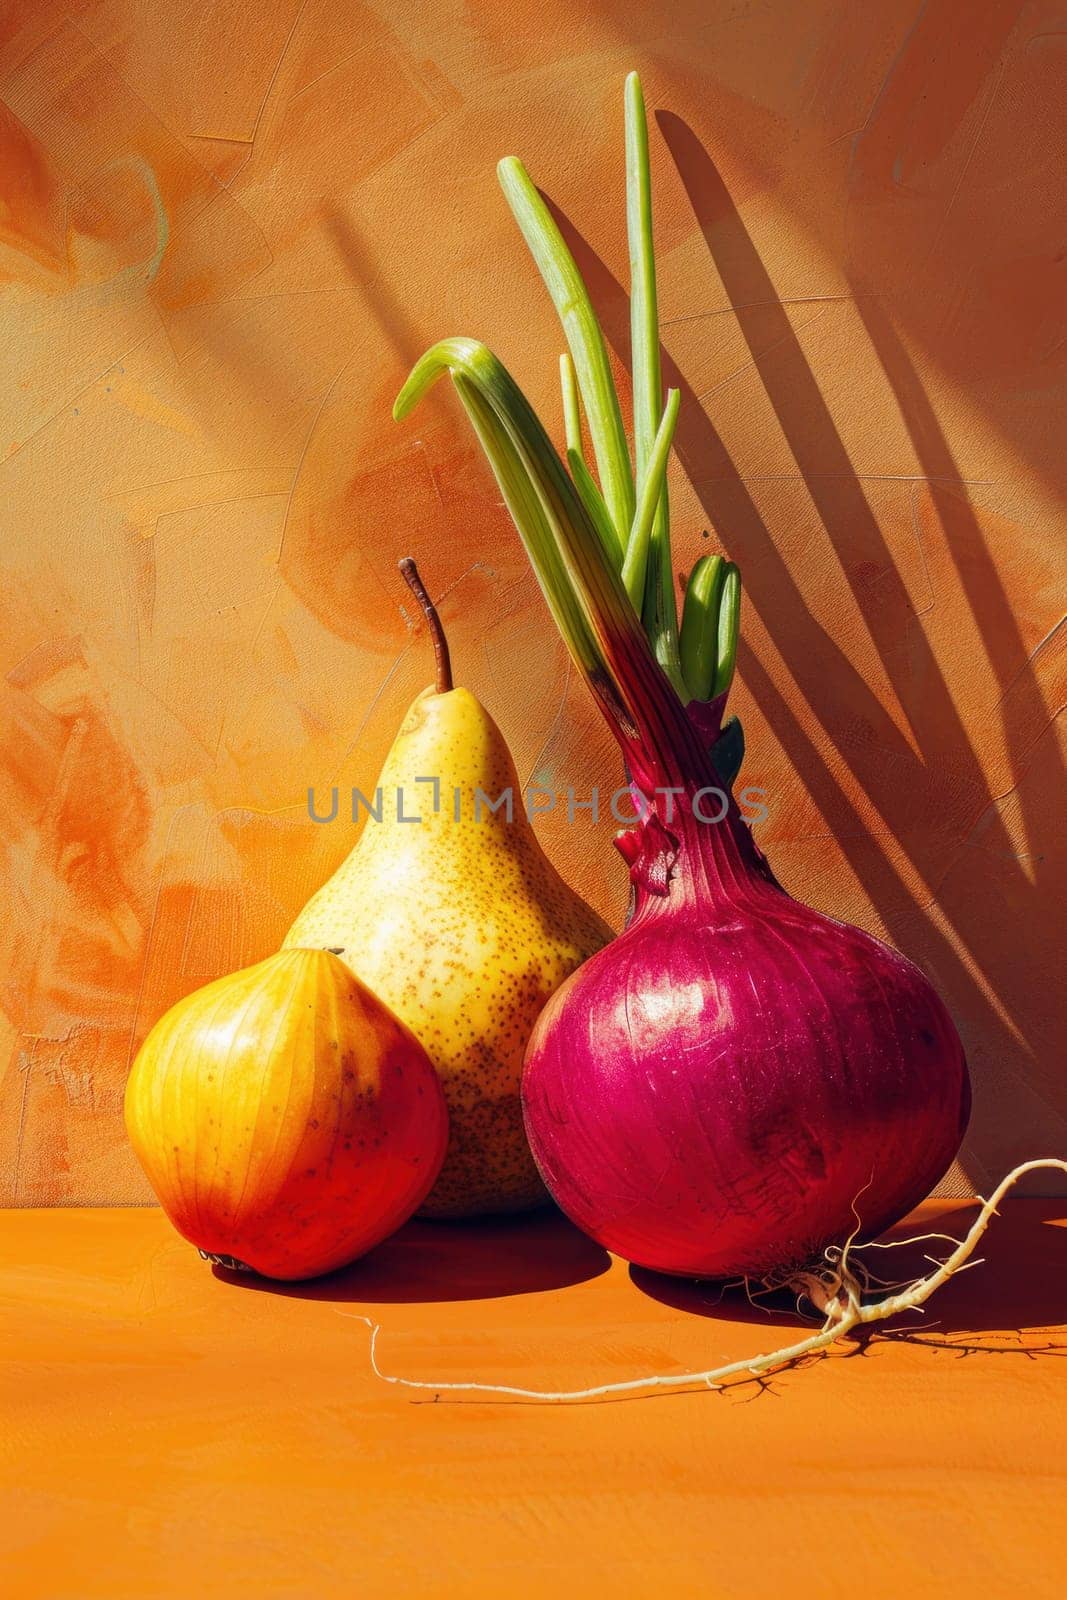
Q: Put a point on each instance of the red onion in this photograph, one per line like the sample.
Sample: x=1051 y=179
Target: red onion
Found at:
x=737 y=1080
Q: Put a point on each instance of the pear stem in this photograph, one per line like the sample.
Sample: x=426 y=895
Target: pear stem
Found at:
x=433 y=622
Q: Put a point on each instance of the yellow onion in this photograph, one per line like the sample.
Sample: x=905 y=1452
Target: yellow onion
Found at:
x=286 y=1119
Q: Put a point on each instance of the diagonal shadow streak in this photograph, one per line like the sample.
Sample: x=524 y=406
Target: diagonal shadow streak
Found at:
x=948 y=761
x=997 y=627
x=924 y=787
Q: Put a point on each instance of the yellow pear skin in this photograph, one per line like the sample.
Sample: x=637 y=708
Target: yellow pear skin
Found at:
x=464 y=929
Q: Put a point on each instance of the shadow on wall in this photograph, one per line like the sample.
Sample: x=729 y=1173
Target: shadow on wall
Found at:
x=914 y=789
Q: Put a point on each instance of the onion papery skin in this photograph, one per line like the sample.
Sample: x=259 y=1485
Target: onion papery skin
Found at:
x=286 y=1119
x=739 y=1081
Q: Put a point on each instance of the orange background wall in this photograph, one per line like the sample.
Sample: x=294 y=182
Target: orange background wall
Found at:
x=862 y=247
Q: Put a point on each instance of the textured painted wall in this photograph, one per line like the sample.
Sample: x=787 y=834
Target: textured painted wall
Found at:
x=225 y=231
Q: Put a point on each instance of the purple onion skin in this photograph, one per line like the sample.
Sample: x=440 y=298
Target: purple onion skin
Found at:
x=723 y=1090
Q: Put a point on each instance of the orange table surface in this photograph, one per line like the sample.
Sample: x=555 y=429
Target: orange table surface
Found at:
x=168 y=1431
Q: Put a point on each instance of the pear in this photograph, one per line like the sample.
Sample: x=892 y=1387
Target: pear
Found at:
x=461 y=925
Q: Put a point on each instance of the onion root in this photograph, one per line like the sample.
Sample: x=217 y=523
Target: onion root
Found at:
x=834 y=1287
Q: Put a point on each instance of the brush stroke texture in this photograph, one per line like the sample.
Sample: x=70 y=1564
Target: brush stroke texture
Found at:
x=862 y=275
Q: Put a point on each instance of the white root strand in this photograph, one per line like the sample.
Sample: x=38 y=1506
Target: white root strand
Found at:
x=838 y=1292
